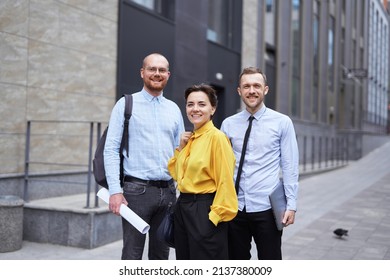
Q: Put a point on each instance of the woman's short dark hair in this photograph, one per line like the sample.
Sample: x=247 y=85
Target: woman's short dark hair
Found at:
x=207 y=89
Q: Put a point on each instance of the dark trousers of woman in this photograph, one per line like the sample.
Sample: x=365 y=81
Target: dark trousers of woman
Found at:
x=262 y=227
x=196 y=237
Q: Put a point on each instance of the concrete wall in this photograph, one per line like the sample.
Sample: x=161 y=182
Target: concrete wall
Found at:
x=57 y=62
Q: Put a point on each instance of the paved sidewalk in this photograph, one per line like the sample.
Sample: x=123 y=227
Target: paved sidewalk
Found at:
x=355 y=197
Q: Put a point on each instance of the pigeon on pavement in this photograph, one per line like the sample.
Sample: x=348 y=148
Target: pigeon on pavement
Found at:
x=341 y=232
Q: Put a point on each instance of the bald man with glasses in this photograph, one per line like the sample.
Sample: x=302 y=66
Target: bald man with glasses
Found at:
x=154 y=132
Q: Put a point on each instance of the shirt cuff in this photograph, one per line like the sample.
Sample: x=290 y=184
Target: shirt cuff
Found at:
x=115 y=190
x=291 y=204
x=214 y=218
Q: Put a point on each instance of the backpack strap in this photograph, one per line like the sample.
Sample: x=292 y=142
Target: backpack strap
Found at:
x=128 y=112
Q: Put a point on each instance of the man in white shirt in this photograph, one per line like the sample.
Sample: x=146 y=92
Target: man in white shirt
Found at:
x=271 y=148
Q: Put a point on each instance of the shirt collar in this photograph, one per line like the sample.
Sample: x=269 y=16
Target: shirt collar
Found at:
x=203 y=129
x=150 y=97
x=257 y=115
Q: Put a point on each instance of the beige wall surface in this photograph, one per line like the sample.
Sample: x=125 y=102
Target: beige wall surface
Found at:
x=250 y=44
x=57 y=63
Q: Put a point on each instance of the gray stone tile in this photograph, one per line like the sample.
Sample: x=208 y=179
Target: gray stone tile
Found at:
x=340 y=254
x=377 y=238
x=371 y=253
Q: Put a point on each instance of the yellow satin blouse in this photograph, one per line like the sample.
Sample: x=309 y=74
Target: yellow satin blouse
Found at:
x=206 y=165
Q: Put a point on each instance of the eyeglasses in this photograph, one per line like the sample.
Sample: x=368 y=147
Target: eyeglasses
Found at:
x=155 y=69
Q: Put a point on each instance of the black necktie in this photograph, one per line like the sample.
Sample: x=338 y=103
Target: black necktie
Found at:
x=248 y=131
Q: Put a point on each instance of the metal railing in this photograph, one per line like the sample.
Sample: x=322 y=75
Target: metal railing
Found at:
x=50 y=166
x=322 y=152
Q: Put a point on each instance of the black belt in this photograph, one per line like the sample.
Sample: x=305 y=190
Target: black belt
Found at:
x=196 y=196
x=155 y=183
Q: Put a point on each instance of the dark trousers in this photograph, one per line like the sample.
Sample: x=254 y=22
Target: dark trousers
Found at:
x=196 y=237
x=259 y=225
x=150 y=203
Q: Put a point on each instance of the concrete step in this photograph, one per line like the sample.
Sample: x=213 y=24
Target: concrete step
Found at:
x=65 y=221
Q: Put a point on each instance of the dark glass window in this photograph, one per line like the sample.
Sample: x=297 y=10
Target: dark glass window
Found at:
x=331 y=51
x=220 y=23
x=316 y=25
x=296 y=58
x=270 y=23
x=269 y=6
x=165 y=8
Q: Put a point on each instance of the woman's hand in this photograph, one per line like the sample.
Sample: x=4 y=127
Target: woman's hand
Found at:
x=184 y=137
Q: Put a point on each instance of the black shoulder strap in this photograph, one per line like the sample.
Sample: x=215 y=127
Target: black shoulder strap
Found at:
x=128 y=111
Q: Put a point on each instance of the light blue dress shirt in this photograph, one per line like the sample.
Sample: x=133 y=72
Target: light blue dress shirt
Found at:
x=272 y=152
x=154 y=132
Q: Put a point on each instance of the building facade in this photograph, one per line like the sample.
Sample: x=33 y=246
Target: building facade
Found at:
x=65 y=63
x=327 y=64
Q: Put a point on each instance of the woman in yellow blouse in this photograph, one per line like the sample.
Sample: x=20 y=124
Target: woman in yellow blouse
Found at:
x=203 y=167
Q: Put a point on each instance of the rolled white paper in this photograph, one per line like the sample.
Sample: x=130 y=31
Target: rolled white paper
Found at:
x=126 y=213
